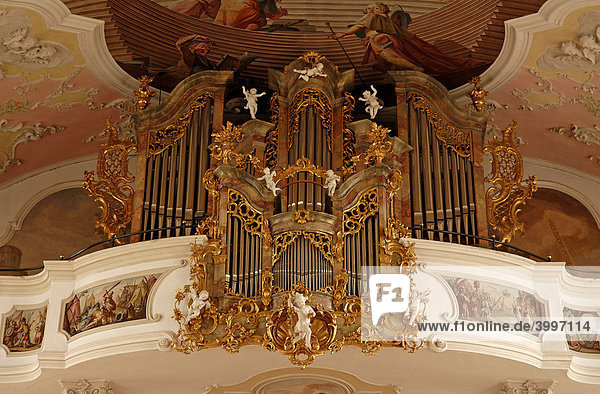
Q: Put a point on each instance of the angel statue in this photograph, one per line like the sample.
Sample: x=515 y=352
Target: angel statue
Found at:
x=372 y=103
x=268 y=177
x=199 y=302
x=251 y=103
x=316 y=71
x=304 y=313
x=331 y=182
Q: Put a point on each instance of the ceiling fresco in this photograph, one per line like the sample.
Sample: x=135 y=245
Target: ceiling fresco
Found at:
x=48 y=93
x=555 y=96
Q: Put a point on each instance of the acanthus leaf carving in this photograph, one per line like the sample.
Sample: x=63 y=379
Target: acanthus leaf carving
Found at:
x=507 y=194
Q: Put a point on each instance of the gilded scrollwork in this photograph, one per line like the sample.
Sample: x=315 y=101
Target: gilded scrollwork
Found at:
x=301 y=216
x=223 y=147
x=319 y=101
x=271 y=140
x=457 y=139
x=302 y=165
x=349 y=150
x=353 y=219
x=321 y=241
x=379 y=147
x=112 y=190
x=161 y=139
x=238 y=206
x=507 y=195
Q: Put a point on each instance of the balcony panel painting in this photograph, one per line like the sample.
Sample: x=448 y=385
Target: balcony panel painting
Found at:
x=584 y=343
x=24 y=329
x=484 y=301
x=110 y=303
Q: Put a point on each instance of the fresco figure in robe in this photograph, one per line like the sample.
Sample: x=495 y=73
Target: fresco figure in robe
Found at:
x=198 y=8
x=390 y=46
x=248 y=14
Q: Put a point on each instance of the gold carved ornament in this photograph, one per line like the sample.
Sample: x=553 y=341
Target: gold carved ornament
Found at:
x=223 y=147
x=477 y=94
x=112 y=190
x=310 y=97
x=272 y=136
x=349 y=150
x=301 y=165
x=256 y=320
x=353 y=218
x=379 y=147
x=508 y=194
x=144 y=94
x=301 y=216
x=460 y=141
x=311 y=59
x=161 y=139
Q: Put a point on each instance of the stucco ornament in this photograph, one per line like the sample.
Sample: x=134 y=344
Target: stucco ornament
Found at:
x=580 y=53
x=19 y=47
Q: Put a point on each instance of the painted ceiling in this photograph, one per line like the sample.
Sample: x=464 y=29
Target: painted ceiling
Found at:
x=54 y=102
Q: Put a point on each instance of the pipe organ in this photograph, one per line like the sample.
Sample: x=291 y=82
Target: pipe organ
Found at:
x=312 y=195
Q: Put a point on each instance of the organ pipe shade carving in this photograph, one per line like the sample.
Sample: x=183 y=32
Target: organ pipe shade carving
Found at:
x=272 y=136
x=112 y=190
x=348 y=134
x=322 y=241
x=163 y=138
x=354 y=218
x=319 y=101
x=460 y=141
x=240 y=207
x=508 y=194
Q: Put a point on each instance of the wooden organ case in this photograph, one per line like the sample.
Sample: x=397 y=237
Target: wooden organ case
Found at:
x=312 y=193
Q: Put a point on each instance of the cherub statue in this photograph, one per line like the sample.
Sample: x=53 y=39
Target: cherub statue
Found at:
x=199 y=302
x=316 y=71
x=268 y=177
x=331 y=182
x=417 y=298
x=251 y=103
x=372 y=103
x=304 y=312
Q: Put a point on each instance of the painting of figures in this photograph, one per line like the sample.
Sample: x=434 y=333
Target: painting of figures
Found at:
x=106 y=304
x=481 y=301
x=24 y=329
x=584 y=343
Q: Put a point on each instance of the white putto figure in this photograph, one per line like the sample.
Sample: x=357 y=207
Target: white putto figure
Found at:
x=417 y=299
x=304 y=312
x=331 y=182
x=199 y=302
x=316 y=71
x=251 y=103
x=372 y=103
x=268 y=178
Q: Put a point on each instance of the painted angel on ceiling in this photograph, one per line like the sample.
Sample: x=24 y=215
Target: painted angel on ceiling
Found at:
x=390 y=46
x=248 y=14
